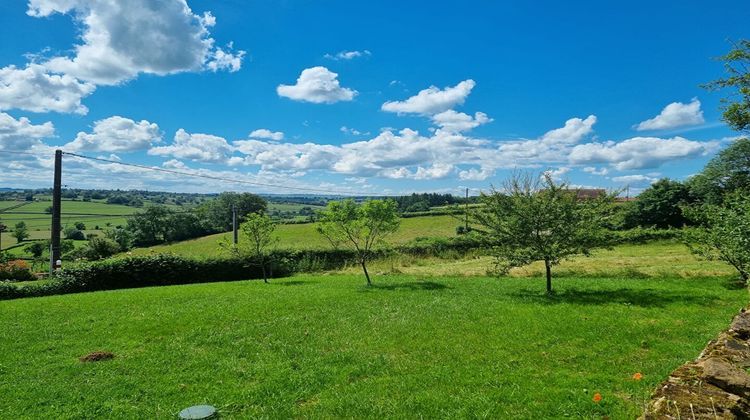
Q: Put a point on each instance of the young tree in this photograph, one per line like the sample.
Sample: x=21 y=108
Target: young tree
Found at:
x=359 y=227
x=258 y=240
x=737 y=65
x=724 y=233
x=728 y=172
x=20 y=232
x=537 y=219
x=36 y=249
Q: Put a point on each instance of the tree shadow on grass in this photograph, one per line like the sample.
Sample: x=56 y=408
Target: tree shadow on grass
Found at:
x=412 y=285
x=646 y=298
x=733 y=283
x=292 y=283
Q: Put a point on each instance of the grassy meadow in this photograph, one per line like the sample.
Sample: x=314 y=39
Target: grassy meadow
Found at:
x=326 y=346
x=304 y=236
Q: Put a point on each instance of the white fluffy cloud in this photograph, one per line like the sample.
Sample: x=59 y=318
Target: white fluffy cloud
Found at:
x=20 y=134
x=122 y=39
x=637 y=179
x=432 y=100
x=317 y=85
x=639 y=152
x=119 y=41
x=675 y=115
x=34 y=89
x=348 y=55
x=117 y=134
x=196 y=147
x=264 y=133
x=457 y=122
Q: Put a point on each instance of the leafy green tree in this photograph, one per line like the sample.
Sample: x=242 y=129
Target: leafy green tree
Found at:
x=35 y=249
x=218 y=212
x=80 y=225
x=123 y=237
x=659 y=205
x=99 y=248
x=737 y=65
x=150 y=226
x=20 y=232
x=726 y=173
x=359 y=227
x=537 y=219
x=257 y=241
x=72 y=233
x=724 y=233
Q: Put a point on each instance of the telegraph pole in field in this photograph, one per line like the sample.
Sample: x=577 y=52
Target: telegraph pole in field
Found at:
x=56 y=201
x=234 y=223
x=466 y=211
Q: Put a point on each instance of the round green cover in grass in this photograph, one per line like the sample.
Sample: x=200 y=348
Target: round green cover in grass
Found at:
x=198 y=412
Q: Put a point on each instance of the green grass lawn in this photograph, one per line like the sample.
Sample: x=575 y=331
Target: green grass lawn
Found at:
x=325 y=346
x=304 y=236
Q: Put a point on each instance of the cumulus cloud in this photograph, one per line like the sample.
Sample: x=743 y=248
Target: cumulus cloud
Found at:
x=348 y=55
x=432 y=100
x=196 y=147
x=119 y=41
x=317 y=85
x=20 y=134
x=637 y=179
x=33 y=89
x=264 y=133
x=639 y=152
x=675 y=115
x=593 y=170
x=557 y=174
x=117 y=134
x=457 y=122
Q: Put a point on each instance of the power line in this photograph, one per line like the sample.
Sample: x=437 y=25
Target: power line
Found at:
x=212 y=177
x=13 y=152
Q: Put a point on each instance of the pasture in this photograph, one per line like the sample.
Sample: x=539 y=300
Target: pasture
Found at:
x=325 y=346
x=304 y=236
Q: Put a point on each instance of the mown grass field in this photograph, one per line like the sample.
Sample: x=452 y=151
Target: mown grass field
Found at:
x=326 y=346
x=304 y=236
x=652 y=260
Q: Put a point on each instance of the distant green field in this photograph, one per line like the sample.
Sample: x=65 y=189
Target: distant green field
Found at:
x=294 y=207
x=304 y=236
x=38 y=221
x=328 y=347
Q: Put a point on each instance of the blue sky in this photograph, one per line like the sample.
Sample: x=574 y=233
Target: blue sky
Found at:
x=392 y=97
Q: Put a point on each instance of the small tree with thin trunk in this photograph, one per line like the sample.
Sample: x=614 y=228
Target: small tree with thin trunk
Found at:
x=359 y=227
x=20 y=232
x=723 y=234
x=537 y=219
x=256 y=242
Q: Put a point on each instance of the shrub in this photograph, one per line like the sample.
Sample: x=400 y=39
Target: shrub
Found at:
x=16 y=270
x=73 y=234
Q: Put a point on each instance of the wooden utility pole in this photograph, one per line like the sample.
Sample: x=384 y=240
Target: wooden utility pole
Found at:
x=56 y=201
x=2 y=229
x=234 y=223
x=466 y=212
